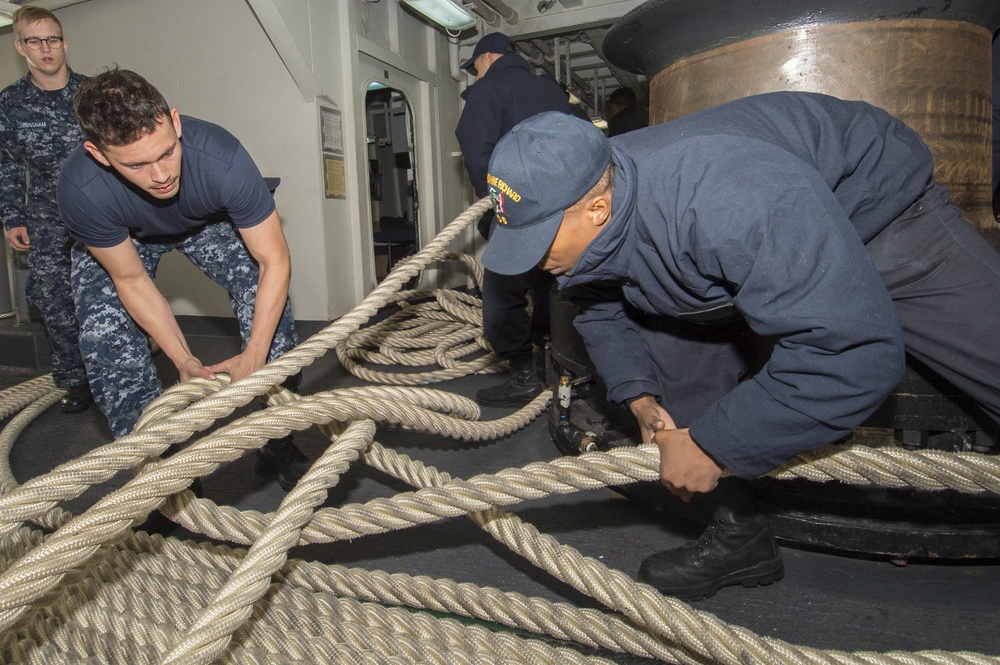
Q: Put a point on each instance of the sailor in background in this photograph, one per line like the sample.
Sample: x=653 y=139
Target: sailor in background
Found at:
x=505 y=93
x=37 y=132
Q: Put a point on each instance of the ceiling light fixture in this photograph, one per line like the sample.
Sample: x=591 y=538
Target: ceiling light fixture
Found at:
x=443 y=12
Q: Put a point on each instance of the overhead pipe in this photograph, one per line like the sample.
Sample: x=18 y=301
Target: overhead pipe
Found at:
x=542 y=57
x=556 y=43
x=487 y=13
x=542 y=53
x=543 y=48
x=453 y=64
x=534 y=54
x=569 y=62
x=504 y=10
x=598 y=110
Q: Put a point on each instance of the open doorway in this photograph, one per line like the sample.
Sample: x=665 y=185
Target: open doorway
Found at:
x=392 y=177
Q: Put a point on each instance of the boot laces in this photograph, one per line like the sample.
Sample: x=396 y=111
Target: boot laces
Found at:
x=709 y=538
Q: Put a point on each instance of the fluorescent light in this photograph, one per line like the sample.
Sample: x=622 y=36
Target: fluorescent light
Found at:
x=443 y=12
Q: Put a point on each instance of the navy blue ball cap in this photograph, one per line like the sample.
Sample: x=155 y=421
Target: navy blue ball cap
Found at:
x=495 y=42
x=540 y=168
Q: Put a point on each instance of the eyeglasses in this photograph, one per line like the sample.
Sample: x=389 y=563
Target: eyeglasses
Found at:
x=36 y=42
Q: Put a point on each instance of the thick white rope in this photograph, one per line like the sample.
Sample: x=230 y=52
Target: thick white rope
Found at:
x=96 y=591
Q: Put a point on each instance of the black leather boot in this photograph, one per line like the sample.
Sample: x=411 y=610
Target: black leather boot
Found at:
x=281 y=458
x=522 y=386
x=736 y=548
x=77 y=398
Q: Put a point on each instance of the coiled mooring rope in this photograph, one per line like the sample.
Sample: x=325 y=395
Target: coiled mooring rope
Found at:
x=89 y=588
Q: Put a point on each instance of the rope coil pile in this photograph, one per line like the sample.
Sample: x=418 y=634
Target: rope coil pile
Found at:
x=90 y=589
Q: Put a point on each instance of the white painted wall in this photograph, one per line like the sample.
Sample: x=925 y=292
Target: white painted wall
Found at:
x=214 y=60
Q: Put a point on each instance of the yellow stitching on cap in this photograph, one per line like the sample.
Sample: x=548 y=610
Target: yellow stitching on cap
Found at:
x=503 y=187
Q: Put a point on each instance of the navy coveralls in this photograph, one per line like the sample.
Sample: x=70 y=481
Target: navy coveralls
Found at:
x=817 y=223
x=507 y=94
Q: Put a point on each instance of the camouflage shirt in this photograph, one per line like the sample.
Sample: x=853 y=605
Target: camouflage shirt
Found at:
x=37 y=133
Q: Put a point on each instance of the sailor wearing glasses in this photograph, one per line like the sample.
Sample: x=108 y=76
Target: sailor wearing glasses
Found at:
x=37 y=132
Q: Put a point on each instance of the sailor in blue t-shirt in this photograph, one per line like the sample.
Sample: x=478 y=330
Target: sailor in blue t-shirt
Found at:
x=122 y=195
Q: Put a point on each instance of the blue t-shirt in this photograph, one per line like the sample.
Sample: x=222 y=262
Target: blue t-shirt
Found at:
x=219 y=181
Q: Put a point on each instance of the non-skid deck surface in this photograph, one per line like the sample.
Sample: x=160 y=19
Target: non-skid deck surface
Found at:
x=825 y=601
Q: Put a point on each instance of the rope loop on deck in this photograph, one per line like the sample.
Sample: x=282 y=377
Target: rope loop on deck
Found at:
x=91 y=589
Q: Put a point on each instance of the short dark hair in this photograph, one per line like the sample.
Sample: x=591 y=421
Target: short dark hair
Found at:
x=118 y=107
x=604 y=185
x=624 y=96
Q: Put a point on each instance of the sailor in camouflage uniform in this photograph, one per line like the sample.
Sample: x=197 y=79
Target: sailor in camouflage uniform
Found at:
x=37 y=132
x=122 y=196
x=122 y=372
